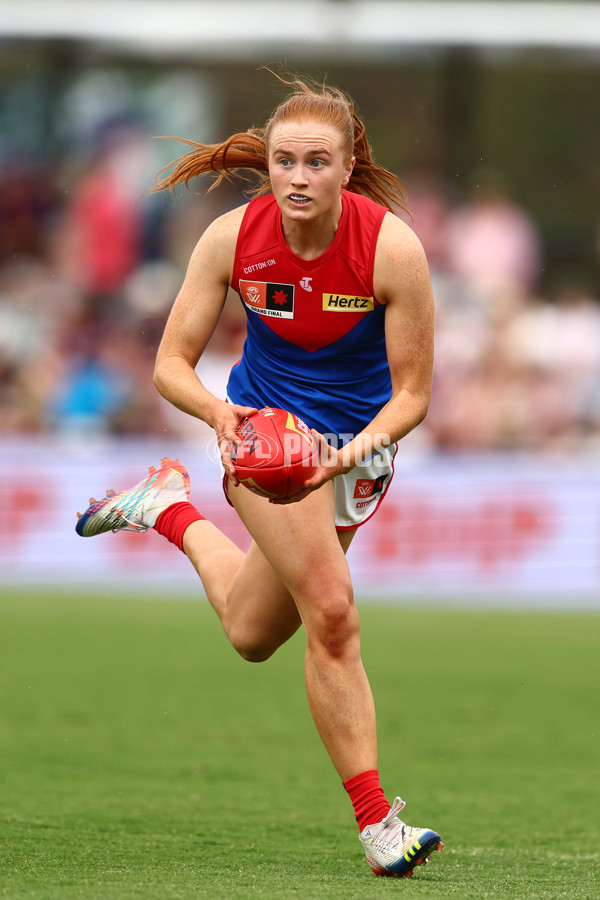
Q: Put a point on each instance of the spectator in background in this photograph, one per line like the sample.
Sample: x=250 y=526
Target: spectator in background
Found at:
x=102 y=231
x=491 y=240
x=430 y=212
x=28 y=200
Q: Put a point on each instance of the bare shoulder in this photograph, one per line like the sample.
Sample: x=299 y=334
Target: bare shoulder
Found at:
x=398 y=240
x=229 y=223
x=221 y=235
x=399 y=258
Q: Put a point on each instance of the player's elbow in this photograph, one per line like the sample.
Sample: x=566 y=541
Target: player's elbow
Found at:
x=423 y=408
x=417 y=406
x=159 y=376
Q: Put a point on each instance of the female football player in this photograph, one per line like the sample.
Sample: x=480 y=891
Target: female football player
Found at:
x=339 y=331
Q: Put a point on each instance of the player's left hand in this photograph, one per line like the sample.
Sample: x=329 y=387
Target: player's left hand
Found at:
x=328 y=468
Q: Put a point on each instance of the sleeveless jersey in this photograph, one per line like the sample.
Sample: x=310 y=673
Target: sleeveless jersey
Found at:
x=315 y=341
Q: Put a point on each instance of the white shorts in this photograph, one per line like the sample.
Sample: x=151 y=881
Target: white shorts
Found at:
x=358 y=493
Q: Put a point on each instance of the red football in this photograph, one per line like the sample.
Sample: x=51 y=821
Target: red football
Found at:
x=277 y=455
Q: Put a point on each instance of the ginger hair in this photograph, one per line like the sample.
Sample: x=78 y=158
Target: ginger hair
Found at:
x=245 y=154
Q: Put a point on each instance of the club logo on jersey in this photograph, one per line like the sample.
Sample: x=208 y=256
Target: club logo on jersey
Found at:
x=347 y=303
x=268 y=299
x=367 y=487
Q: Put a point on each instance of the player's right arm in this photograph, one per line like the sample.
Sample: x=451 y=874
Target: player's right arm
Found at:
x=190 y=325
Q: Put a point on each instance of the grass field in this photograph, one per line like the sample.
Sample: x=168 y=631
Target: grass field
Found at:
x=140 y=758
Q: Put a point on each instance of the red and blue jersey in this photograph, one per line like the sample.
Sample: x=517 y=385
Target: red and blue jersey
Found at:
x=315 y=342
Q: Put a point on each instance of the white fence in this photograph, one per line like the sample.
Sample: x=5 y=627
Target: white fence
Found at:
x=508 y=529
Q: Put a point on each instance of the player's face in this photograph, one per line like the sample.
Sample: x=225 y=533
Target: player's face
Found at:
x=308 y=167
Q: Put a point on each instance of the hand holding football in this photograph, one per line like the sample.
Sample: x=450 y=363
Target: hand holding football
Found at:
x=277 y=454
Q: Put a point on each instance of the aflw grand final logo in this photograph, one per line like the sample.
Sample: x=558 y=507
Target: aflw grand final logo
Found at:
x=268 y=299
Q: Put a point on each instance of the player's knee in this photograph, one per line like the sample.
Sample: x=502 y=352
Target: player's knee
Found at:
x=250 y=649
x=255 y=654
x=333 y=626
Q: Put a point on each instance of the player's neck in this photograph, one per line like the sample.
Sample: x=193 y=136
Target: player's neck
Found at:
x=310 y=239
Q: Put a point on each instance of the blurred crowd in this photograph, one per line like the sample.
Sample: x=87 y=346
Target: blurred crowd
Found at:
x=517 y=368
x=90 y=265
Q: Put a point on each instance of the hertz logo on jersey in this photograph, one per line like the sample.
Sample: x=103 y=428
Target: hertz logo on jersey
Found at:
x=347 y=303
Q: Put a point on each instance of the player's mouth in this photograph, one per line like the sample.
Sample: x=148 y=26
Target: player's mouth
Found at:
x=299 y=199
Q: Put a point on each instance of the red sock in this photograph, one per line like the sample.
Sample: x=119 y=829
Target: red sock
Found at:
x=367 y=797
x=174 y=520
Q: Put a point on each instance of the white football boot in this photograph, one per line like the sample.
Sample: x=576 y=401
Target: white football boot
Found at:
x=137 y=508
x=394 y=848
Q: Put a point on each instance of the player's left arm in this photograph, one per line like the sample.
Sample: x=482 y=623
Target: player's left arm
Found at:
x=402 y=282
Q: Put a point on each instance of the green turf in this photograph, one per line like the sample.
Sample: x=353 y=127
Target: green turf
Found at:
x=140 y=758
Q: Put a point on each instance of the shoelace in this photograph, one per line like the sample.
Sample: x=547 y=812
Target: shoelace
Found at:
x=394 y=835
x=397 y=806
x=131 y=526
x=132 y=502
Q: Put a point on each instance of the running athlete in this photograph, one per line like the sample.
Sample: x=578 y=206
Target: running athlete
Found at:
x=340 y=330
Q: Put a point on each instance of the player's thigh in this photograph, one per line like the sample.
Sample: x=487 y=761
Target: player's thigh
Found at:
x=299 y=540
x=263 y=611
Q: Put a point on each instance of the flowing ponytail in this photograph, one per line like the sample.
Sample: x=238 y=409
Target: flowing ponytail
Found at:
x=241 y=152
x=245 y=154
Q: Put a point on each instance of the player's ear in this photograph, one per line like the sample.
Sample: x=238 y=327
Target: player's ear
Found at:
x=349 y=169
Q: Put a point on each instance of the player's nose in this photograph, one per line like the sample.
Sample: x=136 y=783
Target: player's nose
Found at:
x=299 y=176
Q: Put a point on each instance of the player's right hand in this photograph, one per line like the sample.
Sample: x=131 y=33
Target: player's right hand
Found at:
x=225 y=426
